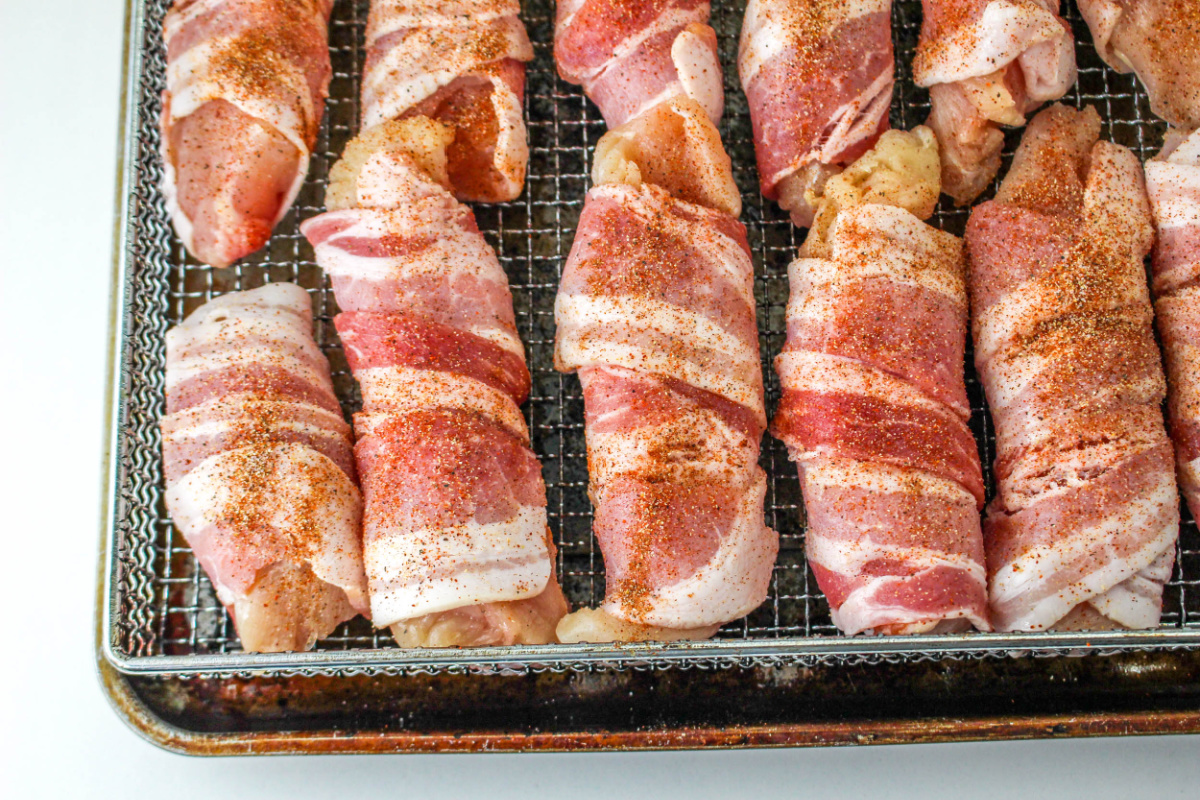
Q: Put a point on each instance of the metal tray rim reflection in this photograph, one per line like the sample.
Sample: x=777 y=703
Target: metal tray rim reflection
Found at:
x=706 y=654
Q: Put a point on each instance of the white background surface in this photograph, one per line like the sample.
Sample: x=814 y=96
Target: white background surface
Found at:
x=60 y=64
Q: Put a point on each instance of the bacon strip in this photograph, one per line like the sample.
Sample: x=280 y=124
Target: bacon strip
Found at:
x=260 y=475
x=1173 y=182
x=818 y=77
x=874 y=412
x=988 y=63
x=1157 y=40
x=461 y=62
x=1086 y=511
x=631 y=55
x=246 y=88
x=455 y=535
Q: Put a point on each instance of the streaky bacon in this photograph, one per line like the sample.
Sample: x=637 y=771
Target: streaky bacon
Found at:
x=455 y=535
x=246 y=88
x=1157 y=40
x=1173 y=183
x=462 y=63
x=874 y=412
x=657 y=284
x=988 y=63
x=259 y=469
x=818 y=78
x=1086 y=511
x=631 y=55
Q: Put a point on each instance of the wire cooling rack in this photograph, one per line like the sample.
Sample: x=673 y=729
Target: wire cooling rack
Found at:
x=163 y=616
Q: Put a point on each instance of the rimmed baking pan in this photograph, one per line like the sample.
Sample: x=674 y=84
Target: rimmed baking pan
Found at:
x=171 y=659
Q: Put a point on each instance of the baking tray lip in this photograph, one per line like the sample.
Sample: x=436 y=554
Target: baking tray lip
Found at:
x=128 y=116
x=715 y=653
x=557 y=657
x=171 y=738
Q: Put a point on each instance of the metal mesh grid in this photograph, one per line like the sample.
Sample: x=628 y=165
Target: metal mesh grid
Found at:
x=161 y=604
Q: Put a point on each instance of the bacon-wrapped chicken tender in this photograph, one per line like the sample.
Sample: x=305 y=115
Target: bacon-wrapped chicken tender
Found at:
x=246 y=88
x=462 y=63
x=874 y=408
x=1173 y=182
x=259 y=468
x=988 y=63
x=818 y=76
x=631 y=55
x=656 y=313
x=455 y=536
x=1083 y=526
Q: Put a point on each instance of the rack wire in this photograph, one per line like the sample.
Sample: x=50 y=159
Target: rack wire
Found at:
x=163 y=615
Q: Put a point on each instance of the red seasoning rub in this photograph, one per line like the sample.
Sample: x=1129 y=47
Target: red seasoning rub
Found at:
x=1160 y=41
x=462 y=63
x=1173 y=181
x=818 y=76
x=1082 y=530
x=246 y=88
x=259 y=468
x=874 y=409
x=455 y=535
x=988 y=63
